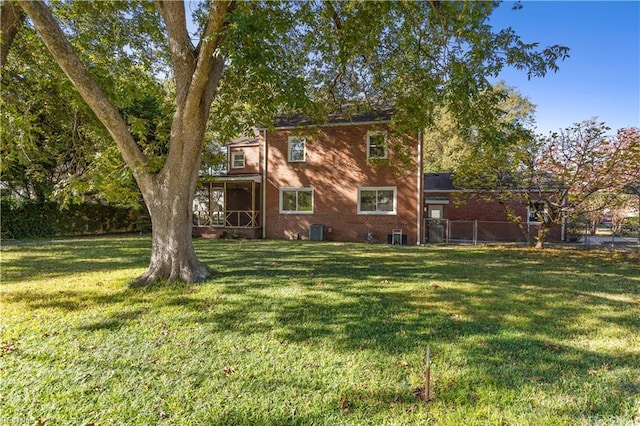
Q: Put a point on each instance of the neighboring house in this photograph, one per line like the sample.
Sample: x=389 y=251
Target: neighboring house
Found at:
x=457 y=214
x=347 y=180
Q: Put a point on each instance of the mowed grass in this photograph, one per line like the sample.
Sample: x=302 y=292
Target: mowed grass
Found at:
x=291 y=332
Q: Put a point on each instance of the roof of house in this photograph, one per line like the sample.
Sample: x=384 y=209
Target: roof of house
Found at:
x=382 y=114
x=243 y=140
x=439 y=182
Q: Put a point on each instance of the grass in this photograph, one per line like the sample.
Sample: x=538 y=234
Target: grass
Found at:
x=291 y=332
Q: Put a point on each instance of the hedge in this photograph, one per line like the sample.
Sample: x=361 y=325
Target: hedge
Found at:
x=31 y=219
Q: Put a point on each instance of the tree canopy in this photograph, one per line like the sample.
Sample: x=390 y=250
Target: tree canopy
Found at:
x=247 y=61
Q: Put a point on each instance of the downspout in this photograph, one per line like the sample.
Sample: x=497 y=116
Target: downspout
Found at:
x=264 y=186
x=420 y=194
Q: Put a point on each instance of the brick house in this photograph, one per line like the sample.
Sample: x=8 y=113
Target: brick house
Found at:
x=453 y=213
x=351 y=179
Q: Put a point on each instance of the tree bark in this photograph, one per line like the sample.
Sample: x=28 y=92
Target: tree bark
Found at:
x=173 y=257
x=11 y=19
x=542 y=236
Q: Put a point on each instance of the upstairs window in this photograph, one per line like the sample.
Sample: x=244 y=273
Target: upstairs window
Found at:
x=537 y=212
x=377 y=145
x=296 y=149
x=296 y=200
x=377 y=200
x=237 y=160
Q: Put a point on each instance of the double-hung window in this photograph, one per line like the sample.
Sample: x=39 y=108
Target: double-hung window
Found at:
x=380 y=200
x=376 y=145
x=296 y=200
x=537 y=212
x=237 y=160
x=296 y=149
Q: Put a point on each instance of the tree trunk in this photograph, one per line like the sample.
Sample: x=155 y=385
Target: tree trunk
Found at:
x=542 y=235
x=173 y=256
x=514 y=218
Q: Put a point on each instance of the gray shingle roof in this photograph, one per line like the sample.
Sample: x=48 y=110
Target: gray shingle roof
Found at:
x=439 y=182
x=298 y=120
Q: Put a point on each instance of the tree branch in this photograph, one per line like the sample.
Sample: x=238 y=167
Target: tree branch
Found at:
x=63 y=53
x=334 y=14
x=183 y=56
x=212 y=38
x=11 y=19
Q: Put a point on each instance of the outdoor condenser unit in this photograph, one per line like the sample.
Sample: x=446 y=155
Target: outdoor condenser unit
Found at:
x=316 y=233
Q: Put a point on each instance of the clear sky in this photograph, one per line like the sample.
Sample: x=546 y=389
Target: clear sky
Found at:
x=602 y=76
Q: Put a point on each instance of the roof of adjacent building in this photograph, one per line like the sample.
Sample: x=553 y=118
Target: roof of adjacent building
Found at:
x=439 y=182
x=435 y=182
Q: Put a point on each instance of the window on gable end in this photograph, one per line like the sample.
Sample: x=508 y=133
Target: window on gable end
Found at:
x=237 y=160
x=377 y=145
x=296 y=149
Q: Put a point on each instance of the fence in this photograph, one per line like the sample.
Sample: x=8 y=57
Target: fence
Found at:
x=474 y=231
x=477 y=231
x=625 y=237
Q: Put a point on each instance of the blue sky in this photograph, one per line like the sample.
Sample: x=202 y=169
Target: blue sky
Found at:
x=602 y=76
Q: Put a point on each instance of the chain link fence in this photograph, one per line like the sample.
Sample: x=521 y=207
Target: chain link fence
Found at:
x=579 y=234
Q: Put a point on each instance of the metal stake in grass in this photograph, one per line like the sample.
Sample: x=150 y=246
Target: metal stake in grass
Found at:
x=427 y=377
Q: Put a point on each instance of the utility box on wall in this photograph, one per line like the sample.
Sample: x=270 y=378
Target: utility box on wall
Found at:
x=316 y=233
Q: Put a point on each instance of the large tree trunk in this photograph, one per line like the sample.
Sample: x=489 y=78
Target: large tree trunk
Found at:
x=173 y=257
x=169 y=198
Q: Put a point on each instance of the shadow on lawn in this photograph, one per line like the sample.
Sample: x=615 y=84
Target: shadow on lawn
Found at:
x=492 y=307
x=58 y=258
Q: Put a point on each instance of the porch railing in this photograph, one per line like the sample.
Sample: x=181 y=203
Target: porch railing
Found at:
x=242 y=219
x=229 y=219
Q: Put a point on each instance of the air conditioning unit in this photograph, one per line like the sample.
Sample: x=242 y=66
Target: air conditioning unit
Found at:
x=316 y=233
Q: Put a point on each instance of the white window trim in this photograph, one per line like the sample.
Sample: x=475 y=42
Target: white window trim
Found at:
x=386 y=148
x=283 y=190
x=530 y=210
x=293 y=139
x=233 y=159
x=379 y=188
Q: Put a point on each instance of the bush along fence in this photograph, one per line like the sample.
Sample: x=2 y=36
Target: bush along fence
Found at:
x=32 y=219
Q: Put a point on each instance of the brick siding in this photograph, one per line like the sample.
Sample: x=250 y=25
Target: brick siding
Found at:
x=335 y=167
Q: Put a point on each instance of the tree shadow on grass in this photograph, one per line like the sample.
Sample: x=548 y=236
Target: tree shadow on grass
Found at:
x=511 y=315
x=66 y=257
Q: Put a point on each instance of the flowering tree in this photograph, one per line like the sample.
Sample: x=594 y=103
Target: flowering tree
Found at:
x=579 y=170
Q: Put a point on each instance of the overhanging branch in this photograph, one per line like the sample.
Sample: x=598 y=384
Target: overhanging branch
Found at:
x=11 y=19
x=63 y=53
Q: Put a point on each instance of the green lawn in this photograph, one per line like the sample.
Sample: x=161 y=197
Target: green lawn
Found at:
x=291 y=332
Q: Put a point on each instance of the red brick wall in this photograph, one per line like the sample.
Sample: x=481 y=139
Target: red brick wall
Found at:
x=475 y=208
x=335 y=167
x=252 y=162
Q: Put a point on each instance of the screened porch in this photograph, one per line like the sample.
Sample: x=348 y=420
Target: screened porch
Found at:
x=228 y=203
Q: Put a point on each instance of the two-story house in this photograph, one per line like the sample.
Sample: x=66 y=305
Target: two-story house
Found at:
x=349 y=179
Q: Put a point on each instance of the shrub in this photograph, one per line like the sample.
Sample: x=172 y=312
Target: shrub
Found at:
x=32 y=219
